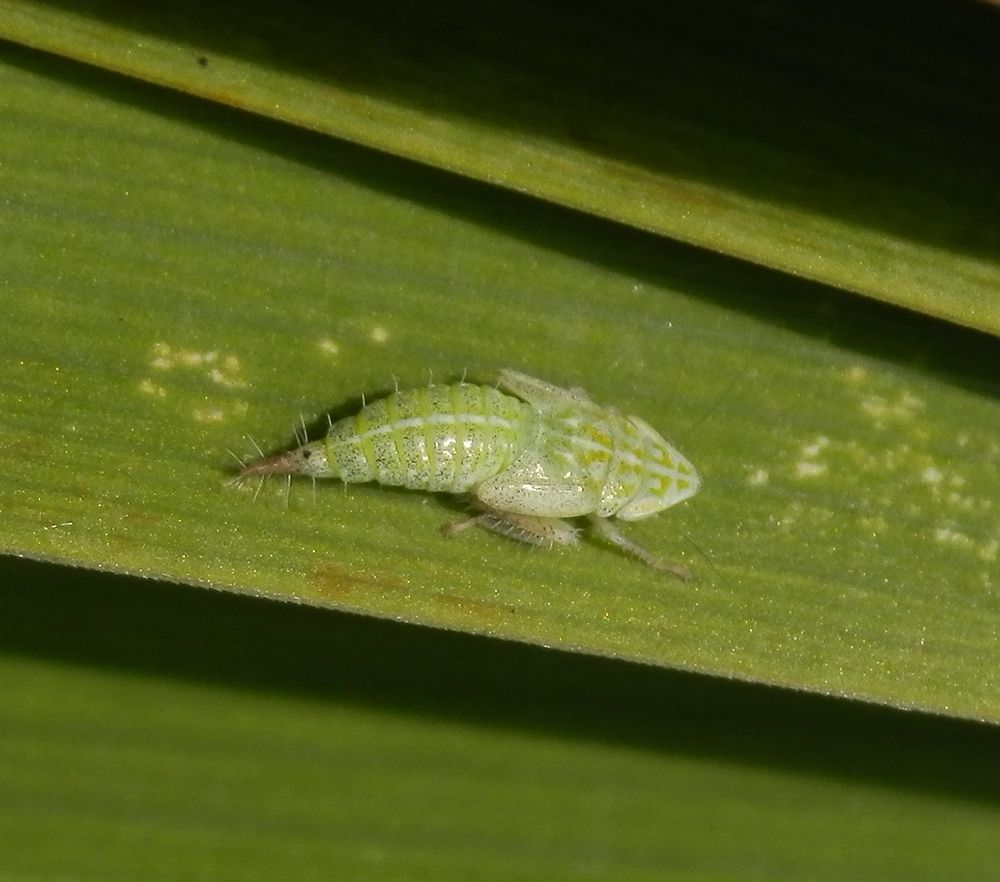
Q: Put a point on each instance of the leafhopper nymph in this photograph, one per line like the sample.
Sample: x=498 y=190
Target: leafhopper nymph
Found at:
x=529 y=453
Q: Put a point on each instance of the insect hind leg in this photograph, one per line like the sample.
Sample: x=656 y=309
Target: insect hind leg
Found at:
x=524 y=528
x=607 y=531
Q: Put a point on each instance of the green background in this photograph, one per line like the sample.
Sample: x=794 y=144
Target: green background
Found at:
x=709 y=217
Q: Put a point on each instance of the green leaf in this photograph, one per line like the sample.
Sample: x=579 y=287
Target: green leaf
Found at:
x=850 y=149
x=179 y=275
x=179 y=278
x=154 y=732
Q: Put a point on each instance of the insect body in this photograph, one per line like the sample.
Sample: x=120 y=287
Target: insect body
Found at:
x=532 y=454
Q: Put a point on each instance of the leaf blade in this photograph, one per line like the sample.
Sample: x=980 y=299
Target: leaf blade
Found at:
x=870 y=196
x=860 y=565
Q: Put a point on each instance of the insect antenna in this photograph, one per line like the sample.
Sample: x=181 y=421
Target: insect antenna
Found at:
x=715 y=405
x=698 y=548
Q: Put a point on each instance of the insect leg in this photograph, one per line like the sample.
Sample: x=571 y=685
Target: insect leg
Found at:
x=606 y=530
x=524 y=528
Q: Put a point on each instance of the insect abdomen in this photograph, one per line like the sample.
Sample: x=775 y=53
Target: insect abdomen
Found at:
x=437 y=438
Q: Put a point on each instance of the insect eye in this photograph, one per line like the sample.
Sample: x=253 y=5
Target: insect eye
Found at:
x=306 y=454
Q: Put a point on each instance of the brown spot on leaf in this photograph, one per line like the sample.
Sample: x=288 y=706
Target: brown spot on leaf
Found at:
x=480 y=613
x=337 y=585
